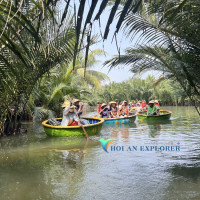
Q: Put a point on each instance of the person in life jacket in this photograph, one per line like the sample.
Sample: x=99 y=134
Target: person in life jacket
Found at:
x=113 y=109
x=156 y=103
x=152 y=109
x=69 y=116
x=104 y=113
x=124 y=111
x=144 y=105
x=138 y=107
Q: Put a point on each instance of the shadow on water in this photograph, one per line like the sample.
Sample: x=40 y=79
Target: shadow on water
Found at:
x=189 y=172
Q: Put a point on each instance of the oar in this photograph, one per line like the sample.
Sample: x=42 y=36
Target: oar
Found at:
x=80 y=122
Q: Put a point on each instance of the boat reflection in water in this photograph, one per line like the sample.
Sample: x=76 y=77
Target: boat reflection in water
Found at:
x=154 y=127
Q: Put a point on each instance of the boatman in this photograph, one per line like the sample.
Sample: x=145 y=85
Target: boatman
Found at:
x=152 y=109
x=69 y=116
x=78 y=105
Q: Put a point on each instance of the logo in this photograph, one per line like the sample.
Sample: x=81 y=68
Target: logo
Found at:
x=172 y=143
x=105 y=143
x=167 y=147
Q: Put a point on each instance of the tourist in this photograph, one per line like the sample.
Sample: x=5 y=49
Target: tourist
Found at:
x=124 y=111
x=144 y=105
x=138 y=107
x=104 y=113
x=113 y=109
x=152 y=109
x=156 y=103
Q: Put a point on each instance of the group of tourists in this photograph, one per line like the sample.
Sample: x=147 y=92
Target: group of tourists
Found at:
x=113 y=110
x=72 y=110
x=124 y=109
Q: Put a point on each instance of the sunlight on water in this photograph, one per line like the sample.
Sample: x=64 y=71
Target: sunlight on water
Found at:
x=34 y=166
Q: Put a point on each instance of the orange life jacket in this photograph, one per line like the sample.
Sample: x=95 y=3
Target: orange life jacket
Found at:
x=74 y=123
x=122 y=110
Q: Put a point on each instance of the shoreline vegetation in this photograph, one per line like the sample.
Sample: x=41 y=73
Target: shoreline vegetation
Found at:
x=45 y=55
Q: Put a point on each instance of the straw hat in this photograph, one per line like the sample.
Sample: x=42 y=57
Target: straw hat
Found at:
x=112 y=102
x=103 y=104
x=156 y=101
x=75 y=100
x=151 y=101
x=72 y=108
x=65 y=104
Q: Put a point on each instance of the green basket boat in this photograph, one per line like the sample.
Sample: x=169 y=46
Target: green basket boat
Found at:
x=164 y=115
x=65 y=131
x=120 y=120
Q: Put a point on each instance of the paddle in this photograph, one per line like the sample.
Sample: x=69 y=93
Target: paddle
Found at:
x=80 y=121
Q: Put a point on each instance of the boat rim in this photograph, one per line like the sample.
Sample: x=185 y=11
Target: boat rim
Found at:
x=44 y=123
x=168 y=113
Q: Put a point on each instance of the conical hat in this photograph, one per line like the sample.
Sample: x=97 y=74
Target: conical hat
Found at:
x=103 y=104
x=65 y=104
x=151 y=101
x=75 y=100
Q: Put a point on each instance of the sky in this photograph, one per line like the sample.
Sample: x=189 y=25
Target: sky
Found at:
x=117 y=74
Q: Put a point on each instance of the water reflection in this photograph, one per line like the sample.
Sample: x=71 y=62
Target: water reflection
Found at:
x=189 y=172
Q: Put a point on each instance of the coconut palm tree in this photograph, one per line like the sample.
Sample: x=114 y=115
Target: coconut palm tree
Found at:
x=62 y=82
x=169 y=44
x=27 y=51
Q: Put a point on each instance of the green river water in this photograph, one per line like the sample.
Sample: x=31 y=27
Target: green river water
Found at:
x=34 y=166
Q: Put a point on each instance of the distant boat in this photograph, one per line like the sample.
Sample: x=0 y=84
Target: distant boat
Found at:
x=164 y=114
x=120 y=120
x=92 y=128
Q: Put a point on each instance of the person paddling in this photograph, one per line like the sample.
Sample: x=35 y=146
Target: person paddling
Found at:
x=79 y=106
x=69 y=116
x=152 y=109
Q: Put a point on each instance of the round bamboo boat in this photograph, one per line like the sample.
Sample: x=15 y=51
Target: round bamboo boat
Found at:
x=164 y=115
x=120 y=120
x=65 y=131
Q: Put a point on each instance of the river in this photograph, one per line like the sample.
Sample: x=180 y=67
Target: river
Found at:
x=34 y=166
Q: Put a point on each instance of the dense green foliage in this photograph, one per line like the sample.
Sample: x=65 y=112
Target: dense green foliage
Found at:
x=55 y=87
x=168 y=92
x=27 y=51
x=44 y=52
